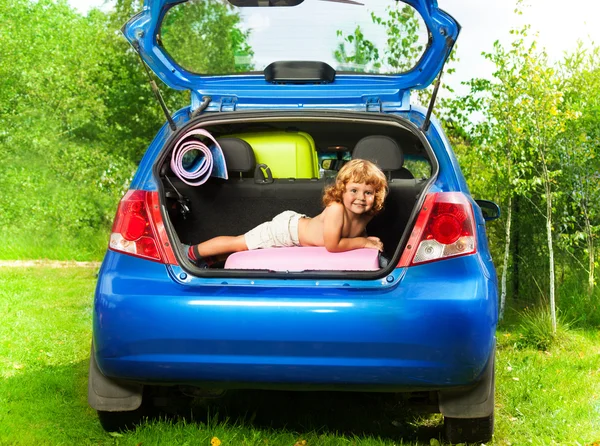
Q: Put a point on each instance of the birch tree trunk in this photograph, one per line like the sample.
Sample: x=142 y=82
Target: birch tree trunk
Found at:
x=591 y=254
x=551 y=260
x=507 y=235
x=548 y=189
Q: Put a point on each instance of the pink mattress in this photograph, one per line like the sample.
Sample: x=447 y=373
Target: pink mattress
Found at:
x=304 y=258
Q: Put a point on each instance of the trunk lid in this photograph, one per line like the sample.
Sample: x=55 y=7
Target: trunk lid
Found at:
x=294 y=53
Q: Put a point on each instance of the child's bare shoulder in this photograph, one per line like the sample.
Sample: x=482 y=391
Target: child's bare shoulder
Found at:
x=334 y=208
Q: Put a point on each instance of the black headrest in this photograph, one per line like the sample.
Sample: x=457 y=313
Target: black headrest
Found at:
x=380 y=150
x=239 y=156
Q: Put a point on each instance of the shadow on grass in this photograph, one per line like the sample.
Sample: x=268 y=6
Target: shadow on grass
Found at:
x=380 y=415
x=49 y=405
x=387 y=416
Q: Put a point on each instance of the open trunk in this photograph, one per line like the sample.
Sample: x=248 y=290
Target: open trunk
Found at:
x=303 y=152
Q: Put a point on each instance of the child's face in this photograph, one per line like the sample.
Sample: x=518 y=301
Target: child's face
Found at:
x=358 y=197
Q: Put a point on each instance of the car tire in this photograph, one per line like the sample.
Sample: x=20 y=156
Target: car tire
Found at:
x=469 y=430
x=121 y=421
x=469 y=415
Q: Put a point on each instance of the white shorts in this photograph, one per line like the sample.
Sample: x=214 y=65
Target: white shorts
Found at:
x=282 y=231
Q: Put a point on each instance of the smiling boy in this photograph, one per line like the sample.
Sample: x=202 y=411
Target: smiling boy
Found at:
x=350 y=203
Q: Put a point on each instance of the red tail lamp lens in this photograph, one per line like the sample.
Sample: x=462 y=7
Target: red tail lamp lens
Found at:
x=138 y=229
x=446 y=229
x=134 y=226
x=147 y=247
x=449 y=222
x=132 y=219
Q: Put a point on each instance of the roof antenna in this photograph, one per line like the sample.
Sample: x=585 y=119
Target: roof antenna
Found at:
x=155 y=90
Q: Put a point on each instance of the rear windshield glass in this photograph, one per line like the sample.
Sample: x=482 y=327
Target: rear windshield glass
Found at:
x=225 y=37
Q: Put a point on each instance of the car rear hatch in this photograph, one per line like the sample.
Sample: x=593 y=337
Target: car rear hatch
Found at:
x=248 y=54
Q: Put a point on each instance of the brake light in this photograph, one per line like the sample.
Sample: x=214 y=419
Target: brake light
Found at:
x=445 y=228
x=138 y=228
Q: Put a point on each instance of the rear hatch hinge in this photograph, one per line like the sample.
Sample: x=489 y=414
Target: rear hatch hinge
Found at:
x=374 y=104
x=228 y=104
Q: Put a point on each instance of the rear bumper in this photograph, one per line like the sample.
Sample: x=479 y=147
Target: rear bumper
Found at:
x=434 y=329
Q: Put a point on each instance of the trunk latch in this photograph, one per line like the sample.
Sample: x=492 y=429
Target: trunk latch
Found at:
x=374 y=105
x=227 y=104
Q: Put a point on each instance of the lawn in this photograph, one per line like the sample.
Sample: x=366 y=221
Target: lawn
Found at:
x=542 y=397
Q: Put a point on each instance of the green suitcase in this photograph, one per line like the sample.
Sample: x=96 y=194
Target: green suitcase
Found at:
x=288 y=154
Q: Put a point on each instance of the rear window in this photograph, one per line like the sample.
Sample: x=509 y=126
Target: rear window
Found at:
x=218 y=37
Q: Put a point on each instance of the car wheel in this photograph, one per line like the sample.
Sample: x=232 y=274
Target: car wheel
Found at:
x=469 y=430
x=469 y=415
x=120 y=421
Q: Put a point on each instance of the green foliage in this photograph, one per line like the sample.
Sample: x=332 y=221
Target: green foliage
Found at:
x=402 y=30
x=55 y=180
x=58 y=193
x=204 y=36
x=364 y=57
x=523 y=116
x=546 y=397
x=131 y=116
x=531 y=149
x=536 y=329
x=76 y=115
x=580 y=160
x=402 y=48
x=577 y=304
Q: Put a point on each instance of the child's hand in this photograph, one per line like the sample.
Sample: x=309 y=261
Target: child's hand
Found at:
x=374 y=242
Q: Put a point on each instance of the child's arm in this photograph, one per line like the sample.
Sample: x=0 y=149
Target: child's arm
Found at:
x=333 y=223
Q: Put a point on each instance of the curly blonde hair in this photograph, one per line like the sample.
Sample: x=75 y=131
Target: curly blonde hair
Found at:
x=358 y=171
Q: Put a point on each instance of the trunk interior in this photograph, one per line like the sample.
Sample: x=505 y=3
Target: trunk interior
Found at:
x=300 y=171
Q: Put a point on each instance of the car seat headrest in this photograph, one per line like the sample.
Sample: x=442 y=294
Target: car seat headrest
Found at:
x=239 y=156
x=380 y=150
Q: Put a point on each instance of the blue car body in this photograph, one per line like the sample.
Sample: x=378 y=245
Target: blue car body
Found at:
x=418 y=327
x=422 y=327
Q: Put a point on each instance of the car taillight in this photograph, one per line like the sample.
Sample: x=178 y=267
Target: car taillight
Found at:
x=138 y=228
x=445 y=228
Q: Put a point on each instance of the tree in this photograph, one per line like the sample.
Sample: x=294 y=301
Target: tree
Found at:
x=364 y=57
x=59 y=189
x=524 y=119
x=580 y=74
x=204 y=36
x=76 y=114
x=402 y=49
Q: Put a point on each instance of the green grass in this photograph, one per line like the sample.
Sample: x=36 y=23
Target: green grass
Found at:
x=547 y=396
x=45 y=243
x=543 y=397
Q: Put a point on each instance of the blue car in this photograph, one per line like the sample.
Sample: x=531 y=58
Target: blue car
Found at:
x=282 y=94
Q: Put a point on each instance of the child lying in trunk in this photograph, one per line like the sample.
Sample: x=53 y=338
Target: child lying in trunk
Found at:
x=350 y=203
